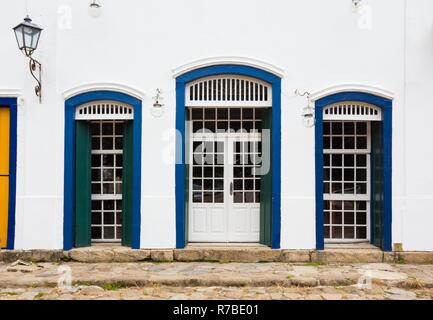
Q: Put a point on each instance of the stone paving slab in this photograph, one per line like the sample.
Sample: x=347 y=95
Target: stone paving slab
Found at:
x=215 y=293
x=98 y=254
x=201 y=274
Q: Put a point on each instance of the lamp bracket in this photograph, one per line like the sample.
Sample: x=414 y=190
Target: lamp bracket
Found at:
x=36 y=72
x=158 y=99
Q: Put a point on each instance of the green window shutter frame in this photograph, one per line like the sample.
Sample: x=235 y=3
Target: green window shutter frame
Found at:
x=83 y=193
x=266 y=185
x=127 y=187
x=187 y=171
x=377 y=183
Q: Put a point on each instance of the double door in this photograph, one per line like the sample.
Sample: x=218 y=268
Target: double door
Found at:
x=225 y=177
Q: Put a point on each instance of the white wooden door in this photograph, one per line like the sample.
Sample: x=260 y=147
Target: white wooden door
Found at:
x=244 y=190
x=224 y=190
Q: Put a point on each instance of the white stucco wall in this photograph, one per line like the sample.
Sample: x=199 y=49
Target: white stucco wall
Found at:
x=317 y=44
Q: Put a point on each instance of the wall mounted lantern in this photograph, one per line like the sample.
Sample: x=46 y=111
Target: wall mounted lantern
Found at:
x=158 y=106
x=356 y=3
x=95 y=8
x=308 y=112
x=27 y=35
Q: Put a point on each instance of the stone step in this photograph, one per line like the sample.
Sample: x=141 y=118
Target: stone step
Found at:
x=217 y=254
x=202 y=274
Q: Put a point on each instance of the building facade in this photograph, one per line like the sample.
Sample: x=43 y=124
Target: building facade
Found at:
x=291 y=124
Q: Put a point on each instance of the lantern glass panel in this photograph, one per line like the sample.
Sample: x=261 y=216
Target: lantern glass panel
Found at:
x=19 y=35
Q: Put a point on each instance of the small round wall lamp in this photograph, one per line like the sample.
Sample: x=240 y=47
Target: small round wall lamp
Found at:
x=95 y=9
x=158 y=107
x=308 y=118
x=27 y=35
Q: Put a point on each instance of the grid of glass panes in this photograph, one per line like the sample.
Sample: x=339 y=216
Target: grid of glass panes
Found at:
x=246 y=178
x=224 y=119
x=345 y=220
x=107 y=176
x=208 y=172
x=346 y=180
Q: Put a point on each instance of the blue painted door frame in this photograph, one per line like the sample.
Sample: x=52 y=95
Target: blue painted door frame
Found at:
x=242 y=70
x=386 y=106
x=69 y=180
x=11 y=103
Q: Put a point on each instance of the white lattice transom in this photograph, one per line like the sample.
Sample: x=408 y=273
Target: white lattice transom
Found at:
x=104 y=110
x=352 y=110
x=228 y=91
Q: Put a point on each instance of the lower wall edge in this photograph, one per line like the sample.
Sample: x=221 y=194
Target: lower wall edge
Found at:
x=245 y=255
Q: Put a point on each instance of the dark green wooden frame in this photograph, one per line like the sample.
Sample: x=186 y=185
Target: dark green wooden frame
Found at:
x=83 y=203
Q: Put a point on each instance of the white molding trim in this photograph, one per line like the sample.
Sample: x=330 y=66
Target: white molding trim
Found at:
x=352 y=88
x=103 y=86
x=228 y=60
x=10 y=93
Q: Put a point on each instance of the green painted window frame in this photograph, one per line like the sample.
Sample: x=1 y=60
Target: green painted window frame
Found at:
x=266 y=185
x=83 y=191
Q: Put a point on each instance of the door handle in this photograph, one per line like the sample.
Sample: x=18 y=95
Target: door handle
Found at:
x=231 y=188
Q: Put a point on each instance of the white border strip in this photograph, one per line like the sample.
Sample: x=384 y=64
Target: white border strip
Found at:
x=10 y=93
x=227 y=60
x=352 y=88
x=103 y=86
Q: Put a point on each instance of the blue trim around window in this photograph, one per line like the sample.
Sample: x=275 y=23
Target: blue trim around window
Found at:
x=181 y=83
x=12 y=104
x=386 y=106
x=69 y=183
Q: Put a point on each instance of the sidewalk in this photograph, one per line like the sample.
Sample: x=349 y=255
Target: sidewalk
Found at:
x=198 y=274
x=198 y=280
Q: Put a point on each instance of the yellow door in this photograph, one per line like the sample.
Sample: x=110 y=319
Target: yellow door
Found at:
x=4 y=175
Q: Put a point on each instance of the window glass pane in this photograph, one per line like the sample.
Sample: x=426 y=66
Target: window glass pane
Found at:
x=210 y=126
x=249 y=197
x=208 y=197
x=107 y=143
x=238 y=197
x=96 y=143
x=235 y=114
x=349 y=232
x=337 y=128
x=197 y=113
x=107 y=129
x=108 y=217
x=197 y=197
x=219 y=197
x=337 y=160
x=219 y=184
x=326 y=128
x=108 y=232
x=96 y=217
x=197 y=184
x=361 y=142
x=349 y=160
x=119 y=128
x=337 y=143
x=210 y=114
x=223 y=114
x=361 y=128
x=349 y=128
x=337 y=232
x=96 y=233
x=361 y=232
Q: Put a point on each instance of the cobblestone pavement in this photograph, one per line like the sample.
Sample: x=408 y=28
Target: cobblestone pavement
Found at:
x=215 y=293
x=22 y=280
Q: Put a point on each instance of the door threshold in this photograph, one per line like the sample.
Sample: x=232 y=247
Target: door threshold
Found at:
x=225 y=245
x=106 y=244
x=359 y=245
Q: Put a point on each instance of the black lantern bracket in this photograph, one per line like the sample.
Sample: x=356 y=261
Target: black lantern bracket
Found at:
x=27 y=35
x=36 y=71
